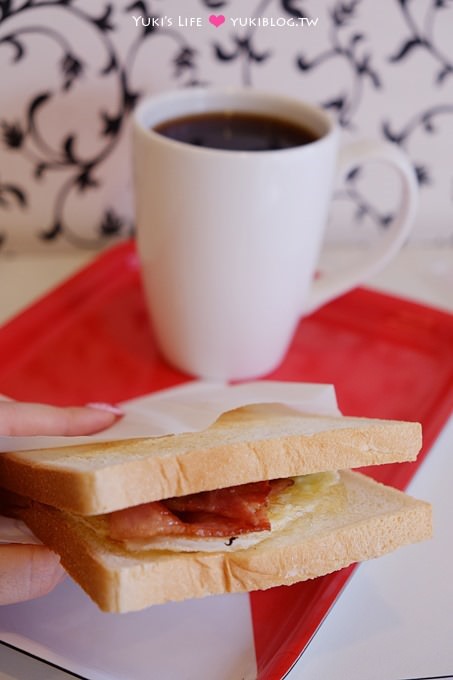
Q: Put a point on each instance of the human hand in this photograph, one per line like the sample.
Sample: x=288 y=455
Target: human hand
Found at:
x=29 y=571
x=19 y=419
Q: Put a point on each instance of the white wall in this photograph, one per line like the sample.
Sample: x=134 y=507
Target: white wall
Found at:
x=71 y=71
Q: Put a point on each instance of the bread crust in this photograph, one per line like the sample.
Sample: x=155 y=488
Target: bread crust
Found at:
x=242 y=446
x=377 y=520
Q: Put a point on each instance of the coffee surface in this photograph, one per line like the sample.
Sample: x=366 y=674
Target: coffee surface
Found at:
x=237 y=131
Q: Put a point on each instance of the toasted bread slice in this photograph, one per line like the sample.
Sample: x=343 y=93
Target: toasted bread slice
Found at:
x=242 y=446
x=371 y=521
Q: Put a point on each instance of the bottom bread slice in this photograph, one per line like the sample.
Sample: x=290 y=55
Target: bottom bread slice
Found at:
x=373 y=520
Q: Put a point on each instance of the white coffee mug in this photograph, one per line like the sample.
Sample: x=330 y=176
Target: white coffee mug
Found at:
x=229 y=241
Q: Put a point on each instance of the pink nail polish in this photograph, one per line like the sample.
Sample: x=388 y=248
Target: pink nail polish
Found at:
x=110 y=408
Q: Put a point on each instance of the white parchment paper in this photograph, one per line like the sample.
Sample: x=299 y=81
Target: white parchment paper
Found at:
x=189 y=408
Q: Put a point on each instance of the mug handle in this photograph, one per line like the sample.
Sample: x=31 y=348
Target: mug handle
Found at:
x=332 y=285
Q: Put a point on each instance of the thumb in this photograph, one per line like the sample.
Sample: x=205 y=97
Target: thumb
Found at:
x=27 y=572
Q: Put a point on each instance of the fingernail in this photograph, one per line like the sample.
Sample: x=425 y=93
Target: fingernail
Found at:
x=110 y=408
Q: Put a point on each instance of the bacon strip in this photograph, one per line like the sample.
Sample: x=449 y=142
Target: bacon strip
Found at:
x=222 y=513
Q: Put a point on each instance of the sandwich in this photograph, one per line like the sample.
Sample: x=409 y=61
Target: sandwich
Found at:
x=261 y=498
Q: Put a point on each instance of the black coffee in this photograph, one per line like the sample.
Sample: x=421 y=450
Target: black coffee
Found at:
x=237 y=131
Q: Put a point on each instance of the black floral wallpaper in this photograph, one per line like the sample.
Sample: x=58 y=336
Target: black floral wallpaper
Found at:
x=73 y=70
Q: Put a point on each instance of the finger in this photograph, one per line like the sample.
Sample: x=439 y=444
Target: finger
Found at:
x=27 y=572
x=21 y=419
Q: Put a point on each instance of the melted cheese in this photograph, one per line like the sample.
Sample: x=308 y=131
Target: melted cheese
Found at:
x=299 y=499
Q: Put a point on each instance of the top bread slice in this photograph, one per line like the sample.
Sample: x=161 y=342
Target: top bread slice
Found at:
x=241 y=446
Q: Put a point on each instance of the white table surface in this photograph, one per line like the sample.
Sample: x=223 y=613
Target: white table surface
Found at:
x=394 y=619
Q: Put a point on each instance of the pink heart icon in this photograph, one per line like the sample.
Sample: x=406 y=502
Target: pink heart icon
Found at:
x=216 y=20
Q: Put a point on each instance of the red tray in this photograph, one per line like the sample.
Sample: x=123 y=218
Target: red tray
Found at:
x=90 y=340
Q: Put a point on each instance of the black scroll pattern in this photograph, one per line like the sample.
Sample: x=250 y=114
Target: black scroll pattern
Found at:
x=420 y=38
x=346 y=41
x=25 y=136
